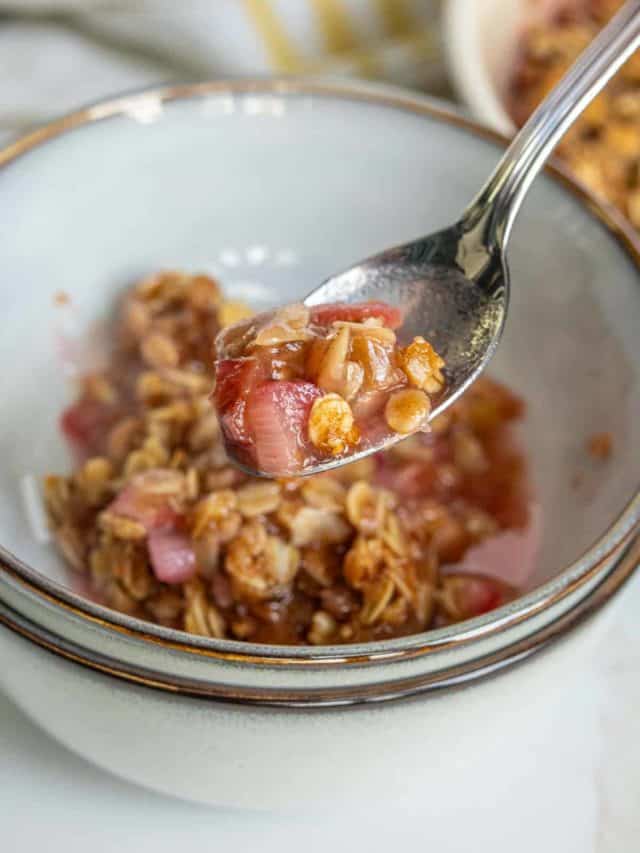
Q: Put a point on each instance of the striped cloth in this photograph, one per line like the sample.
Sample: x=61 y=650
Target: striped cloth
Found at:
x=59 y=54
x=394 y=40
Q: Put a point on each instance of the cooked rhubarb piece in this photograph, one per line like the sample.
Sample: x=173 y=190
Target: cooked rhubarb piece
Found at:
x=324 y=315
x=466 y=596
x=150 y=502
x=172 y=557
x=278 y=412
x=298 y=385
x=85 y=424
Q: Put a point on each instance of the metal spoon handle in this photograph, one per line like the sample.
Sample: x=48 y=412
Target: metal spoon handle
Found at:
x=496 y=206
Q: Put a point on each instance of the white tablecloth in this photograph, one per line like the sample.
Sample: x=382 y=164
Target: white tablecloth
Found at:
x=59 y=54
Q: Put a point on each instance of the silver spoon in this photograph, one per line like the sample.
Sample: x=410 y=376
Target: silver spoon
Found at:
x=453 y=286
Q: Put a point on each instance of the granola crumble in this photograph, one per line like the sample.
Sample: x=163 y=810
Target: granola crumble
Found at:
x=164 y=528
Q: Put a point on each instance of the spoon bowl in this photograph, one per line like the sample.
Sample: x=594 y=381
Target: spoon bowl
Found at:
x=451 y=292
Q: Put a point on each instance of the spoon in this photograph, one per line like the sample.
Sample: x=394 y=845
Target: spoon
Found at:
x=453 y=286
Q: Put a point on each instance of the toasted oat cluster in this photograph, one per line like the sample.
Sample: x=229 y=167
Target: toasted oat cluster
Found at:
x=298 y=385
x=603 y=146
x=158 y=524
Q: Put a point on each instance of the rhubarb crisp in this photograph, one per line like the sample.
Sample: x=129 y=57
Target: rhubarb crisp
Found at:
x=603 y=146
x=160 y=525
x=297 y=386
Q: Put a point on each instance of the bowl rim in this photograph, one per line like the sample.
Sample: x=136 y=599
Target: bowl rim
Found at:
x=579 y=574
x=467 y=68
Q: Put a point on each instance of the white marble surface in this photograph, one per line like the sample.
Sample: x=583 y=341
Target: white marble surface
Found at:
x=584 y=795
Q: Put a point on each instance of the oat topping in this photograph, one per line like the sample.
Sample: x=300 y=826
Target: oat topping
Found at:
x=331 y=426
x=407 y=411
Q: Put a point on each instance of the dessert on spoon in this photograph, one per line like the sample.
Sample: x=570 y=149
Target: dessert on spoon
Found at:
x=377 y=351
x=299 y=385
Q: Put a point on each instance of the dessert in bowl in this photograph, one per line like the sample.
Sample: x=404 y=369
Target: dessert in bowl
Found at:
x=237 y=180
x=157 y=522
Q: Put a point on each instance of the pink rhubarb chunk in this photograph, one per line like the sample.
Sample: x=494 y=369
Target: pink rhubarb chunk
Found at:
x=137 y=501
x=172 y=556
x=173 y=559
x=476 y=595
x=277 y=413
x=324 y=315
x=84 y=424
x=235 y=377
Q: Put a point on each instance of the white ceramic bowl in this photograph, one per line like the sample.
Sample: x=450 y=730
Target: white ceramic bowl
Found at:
x=274 y=185
x=481 y=40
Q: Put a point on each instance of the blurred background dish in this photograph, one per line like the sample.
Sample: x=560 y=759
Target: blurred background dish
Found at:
x=503 y=72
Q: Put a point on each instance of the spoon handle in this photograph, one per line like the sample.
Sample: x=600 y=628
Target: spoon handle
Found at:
x=496 y=206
